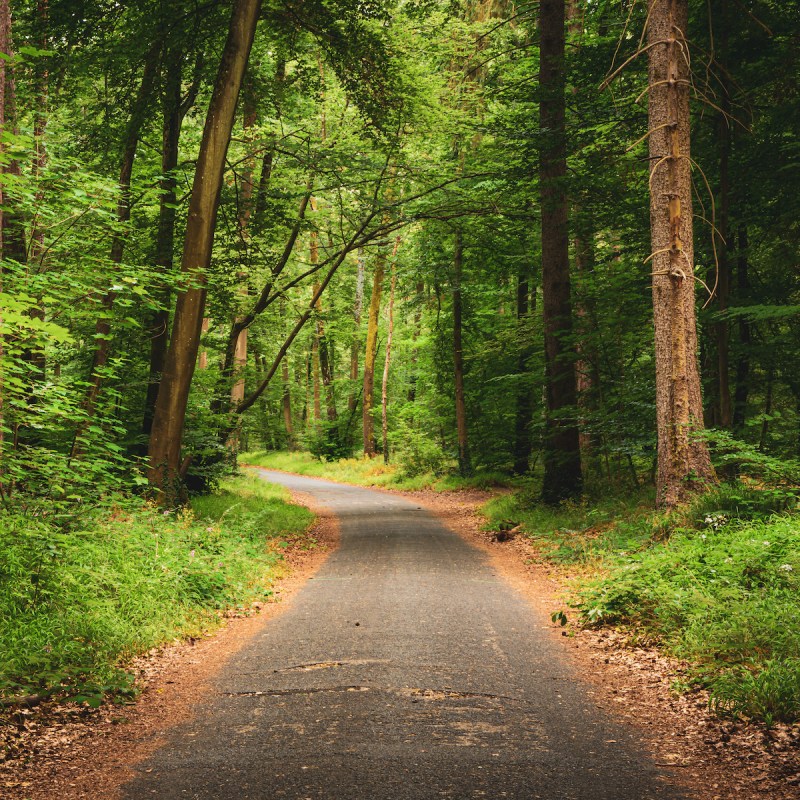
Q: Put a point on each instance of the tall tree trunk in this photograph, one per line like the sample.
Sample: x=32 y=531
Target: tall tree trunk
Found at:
x=464 y=458
x=371 y=354
x=742 y=388
x=684 y=466
x=386 y=363
x=358 y=304
x=174 y=111
x=524 y=413
x=170 y=411
x=562 y=455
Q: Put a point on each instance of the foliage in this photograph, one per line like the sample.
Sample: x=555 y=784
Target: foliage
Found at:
x=77 y=605
x=716 y=583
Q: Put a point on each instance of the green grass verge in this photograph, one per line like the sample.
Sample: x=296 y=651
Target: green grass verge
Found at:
x=370 y=472
x=717 y=583
x=78 y=602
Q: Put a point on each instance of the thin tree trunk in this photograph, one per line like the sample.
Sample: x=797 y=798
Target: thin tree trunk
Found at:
x=170 y=411
x=464 y=458
x=562 y=455
x=386 y=363
x=174 y=111
x=684 y=465
x=358 y=305
x=371 y=354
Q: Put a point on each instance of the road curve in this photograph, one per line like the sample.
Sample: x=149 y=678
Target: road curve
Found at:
x=406 y=669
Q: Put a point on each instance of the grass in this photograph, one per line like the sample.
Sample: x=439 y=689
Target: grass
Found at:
x=717 y=583
x=77 y=604
x=370 y=472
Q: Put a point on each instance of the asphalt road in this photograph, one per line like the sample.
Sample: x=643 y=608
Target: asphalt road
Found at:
x=407 y=668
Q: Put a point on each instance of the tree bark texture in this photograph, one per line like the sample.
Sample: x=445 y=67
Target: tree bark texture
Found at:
x=562 y=457
x=173 y=395
x=371 y=354
x=174 y=111
x=684 y=466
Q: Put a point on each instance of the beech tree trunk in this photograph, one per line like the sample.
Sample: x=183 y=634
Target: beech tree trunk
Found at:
x=464 y=458
x=684 y=466
x=174 y=111
x=370 y=356
x=562 y=455
x=170 y=412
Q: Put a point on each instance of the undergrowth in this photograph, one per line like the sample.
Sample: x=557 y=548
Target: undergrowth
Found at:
x=717 y=583
x=77 y=602
x=370 y=472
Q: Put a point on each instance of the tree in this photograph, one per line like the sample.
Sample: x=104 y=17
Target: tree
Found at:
x=684 y=465
x=170 y=410
x=562 y=456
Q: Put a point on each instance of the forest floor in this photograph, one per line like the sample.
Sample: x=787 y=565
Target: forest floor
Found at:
x=75 y=752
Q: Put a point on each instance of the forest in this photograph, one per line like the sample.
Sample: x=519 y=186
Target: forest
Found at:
x=550 y=246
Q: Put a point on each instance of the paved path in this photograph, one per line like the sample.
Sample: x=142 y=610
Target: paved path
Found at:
x=407 y=668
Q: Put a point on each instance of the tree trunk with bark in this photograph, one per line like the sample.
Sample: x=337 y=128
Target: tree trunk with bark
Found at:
x=175 y=107
x=684 y=466
x=170 y=412
x=562 y=455
x=371 y=354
